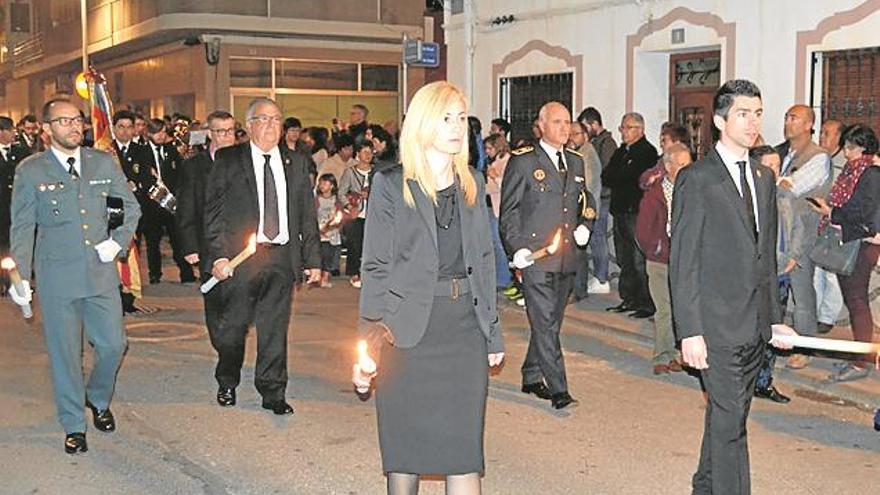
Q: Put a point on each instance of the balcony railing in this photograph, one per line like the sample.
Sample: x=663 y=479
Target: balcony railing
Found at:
x=27 y=51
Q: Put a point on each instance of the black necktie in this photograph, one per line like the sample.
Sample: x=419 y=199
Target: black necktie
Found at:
x=270 y=201
x=124 y=151
x=560 y=163
x=747 y=198
x=71 y=169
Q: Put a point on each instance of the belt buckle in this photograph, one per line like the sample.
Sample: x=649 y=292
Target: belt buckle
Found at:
x=456 y=289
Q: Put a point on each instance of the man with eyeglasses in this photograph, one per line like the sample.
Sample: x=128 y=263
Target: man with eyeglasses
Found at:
x=634 y=156
x=255 y=189
x=62 y=195
x=193 y=180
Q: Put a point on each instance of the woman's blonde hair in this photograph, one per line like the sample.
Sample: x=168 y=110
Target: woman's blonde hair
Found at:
x=425 y=113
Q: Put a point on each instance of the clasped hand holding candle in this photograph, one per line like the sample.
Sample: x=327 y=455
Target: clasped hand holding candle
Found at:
x=364 y=368
x=248 y=251
x=20 y=290
x=525 y=258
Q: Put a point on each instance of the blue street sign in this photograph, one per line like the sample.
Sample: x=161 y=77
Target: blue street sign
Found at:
x=420 y=54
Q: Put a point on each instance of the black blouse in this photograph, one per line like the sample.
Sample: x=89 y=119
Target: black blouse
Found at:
x=859 y=216
x=451 y=259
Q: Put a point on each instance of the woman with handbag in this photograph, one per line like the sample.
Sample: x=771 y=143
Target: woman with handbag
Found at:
x=852 y=207
x=429 y=293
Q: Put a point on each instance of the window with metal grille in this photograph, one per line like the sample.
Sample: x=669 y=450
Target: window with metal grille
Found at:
x=522 y=97
x=851 y=86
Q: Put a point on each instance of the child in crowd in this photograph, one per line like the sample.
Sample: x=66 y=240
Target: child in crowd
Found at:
x=329 y=218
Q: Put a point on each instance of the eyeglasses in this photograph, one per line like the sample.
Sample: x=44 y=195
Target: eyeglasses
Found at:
x=66 y=121
x=629 y=127
x=224 y=132
x=265 y=119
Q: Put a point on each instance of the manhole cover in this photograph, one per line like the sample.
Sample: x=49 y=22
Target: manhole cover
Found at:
x=163 y=331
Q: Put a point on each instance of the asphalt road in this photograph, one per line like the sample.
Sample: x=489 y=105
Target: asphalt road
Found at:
x=633 y=433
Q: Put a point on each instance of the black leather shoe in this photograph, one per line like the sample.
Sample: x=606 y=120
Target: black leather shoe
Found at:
x=539 y=389
x=770 y=393
x=620 y=308
x=278 y=407
x=226 y=396
x=103 y=420
x=75 y=442
x=640 y=314
x=563 y=400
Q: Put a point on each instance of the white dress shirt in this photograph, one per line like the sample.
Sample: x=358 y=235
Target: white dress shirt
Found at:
x=277 y=167
x=551 y=151
x=63 y=157
x=729 y=158
x=157 y=156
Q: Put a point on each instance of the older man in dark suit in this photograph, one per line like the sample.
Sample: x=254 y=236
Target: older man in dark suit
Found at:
x=255 y=189
x=722 y=272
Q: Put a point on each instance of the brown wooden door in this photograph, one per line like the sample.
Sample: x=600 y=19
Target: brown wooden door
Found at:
x=693 y=80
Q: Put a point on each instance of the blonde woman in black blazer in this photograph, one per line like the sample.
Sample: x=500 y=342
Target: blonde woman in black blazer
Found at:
x=429 y=287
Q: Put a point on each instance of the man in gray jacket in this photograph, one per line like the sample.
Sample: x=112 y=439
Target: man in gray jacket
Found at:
x=60 y=195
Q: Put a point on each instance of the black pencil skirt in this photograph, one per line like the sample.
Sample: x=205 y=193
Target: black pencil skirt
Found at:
x=431 y=399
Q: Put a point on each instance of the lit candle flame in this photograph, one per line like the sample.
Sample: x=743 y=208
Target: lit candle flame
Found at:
x=7 y=263
x=551 y=249
x=366 y=363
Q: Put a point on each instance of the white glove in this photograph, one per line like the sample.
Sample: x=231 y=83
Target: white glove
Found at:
x=21 y=299
x=107 y=250
x=582 y=235
x=360 y=379
x=519 y=259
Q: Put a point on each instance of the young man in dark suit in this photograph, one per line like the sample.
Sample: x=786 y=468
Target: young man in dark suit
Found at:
x=722 y=272
x=255 y=189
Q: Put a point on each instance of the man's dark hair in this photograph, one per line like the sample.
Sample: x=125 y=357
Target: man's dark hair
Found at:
x=140 y=116
x=380 y=133
x=122 y=115
x=291 y=122
x=361 y=145
x=155 y=126
x=676 y=132
x=503 y=125
x=218 y=115
x=759 y=152
x=590 y=114
x=343 y=140
x=729 y=91
x=47 y=110
x=861 y=135
x=6 y=124
x=31 y=118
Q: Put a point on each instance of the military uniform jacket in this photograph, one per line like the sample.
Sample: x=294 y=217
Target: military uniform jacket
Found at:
x=69 y=217
x=7 y=177
x=136 y=167
x=535 y=203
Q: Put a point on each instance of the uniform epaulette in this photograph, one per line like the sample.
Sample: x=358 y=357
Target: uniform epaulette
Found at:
x=522 y=150
x=575 y=152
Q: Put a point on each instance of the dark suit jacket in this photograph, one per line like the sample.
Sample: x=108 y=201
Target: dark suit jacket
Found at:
x=191 y=184
x=136 y=167
x=723 y=283
x=16 y=153
x=400 y=260
x=623 y=172
x=535 y=203
x=169 y=166
x=232 y=211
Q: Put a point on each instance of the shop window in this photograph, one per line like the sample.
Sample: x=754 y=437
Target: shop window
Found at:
x=250 y=73
x=316 y=75
x=379 y=77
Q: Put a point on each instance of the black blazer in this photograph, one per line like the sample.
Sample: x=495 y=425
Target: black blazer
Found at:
x=192 y=181
x=622 y=175
x=232 y=211
x=723 y=283
x=860 y=216
x=400 y=260
x=535 y=203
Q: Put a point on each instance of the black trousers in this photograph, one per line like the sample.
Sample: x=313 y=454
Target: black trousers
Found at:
x=633 y=283
x=546 y=296
x=259 y=294
x=730 y=383
x=156 y=224
x=354 y=244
